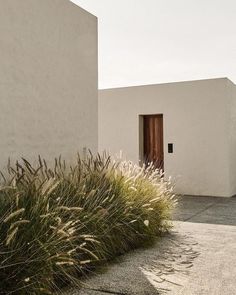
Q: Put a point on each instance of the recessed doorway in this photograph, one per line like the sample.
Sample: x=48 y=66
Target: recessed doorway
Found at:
x=152 y=137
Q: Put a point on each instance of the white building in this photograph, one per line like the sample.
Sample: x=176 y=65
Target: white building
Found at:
x=193 y=130
x=48 y=79
x=49 y=103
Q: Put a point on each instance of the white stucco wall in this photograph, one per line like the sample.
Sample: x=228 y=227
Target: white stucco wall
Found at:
x=48 y=79
x=231 y=87
x=196 y=121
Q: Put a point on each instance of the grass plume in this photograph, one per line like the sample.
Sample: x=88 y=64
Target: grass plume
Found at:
x=58 y=223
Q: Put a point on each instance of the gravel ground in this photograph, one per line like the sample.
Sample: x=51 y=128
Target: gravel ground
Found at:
x=197 y=258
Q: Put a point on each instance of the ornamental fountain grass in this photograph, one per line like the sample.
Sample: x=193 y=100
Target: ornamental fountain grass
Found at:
x=58 y=223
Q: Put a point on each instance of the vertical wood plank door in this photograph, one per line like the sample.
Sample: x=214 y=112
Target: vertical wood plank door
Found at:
x=153 y=140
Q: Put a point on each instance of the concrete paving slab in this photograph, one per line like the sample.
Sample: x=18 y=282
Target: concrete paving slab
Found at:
x=206 y=210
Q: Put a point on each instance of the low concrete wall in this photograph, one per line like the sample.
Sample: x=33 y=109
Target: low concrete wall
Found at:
x=196 y=121
x=48 y=79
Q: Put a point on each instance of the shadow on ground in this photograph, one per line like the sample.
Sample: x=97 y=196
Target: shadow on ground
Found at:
x=173 y=265
x=151 y=271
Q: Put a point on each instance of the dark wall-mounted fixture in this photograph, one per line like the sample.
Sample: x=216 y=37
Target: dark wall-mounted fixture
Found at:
x=170 y=148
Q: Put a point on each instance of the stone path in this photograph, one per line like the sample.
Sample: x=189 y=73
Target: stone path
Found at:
x=197 y=258
x=207 y=210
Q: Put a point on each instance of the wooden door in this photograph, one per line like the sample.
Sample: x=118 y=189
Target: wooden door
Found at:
x=153 y=140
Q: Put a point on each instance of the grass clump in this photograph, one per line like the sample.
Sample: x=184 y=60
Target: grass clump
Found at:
x=58 y=223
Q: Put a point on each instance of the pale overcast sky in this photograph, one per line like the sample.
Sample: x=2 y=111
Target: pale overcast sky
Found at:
x=156 y=41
